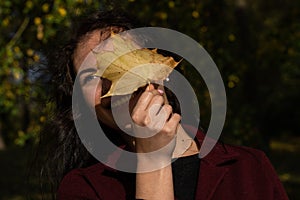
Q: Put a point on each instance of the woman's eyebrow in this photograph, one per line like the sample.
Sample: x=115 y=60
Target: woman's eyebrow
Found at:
x=88 y=70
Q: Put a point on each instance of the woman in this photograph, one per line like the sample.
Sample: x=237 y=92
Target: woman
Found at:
x=228 y=172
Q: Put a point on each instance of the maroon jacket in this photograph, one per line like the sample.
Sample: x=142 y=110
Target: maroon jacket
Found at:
x=227 y=172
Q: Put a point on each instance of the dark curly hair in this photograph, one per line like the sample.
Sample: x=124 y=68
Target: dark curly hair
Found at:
x=64 y=150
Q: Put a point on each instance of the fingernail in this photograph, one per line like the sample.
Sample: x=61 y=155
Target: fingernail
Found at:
x=160 y=91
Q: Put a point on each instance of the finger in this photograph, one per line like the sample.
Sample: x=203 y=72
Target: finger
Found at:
x=146 y=110
x=162 y=117
x=172 y=124
x=161 y=89
x=164 y=113
x=139 y=113
x=150 y=87
x=146 y=97
x=155 y=105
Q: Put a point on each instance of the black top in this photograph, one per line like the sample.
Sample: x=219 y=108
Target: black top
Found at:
x=185 y=176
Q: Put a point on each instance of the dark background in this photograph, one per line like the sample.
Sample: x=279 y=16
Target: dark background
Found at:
x=255 y=44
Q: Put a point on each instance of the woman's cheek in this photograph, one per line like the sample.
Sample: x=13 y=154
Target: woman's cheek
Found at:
x=92 y=93
x=98 y=93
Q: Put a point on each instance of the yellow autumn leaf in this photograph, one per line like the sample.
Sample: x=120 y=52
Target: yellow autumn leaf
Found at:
x=128 y=67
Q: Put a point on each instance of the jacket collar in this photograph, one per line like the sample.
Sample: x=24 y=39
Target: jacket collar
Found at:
x=213 y=167
x=219 y=154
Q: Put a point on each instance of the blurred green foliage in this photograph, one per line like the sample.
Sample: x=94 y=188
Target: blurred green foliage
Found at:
x=255 y=44
x=28 y=29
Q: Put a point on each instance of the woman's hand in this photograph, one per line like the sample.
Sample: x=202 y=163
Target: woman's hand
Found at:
x=155 y=124
x=155 y=129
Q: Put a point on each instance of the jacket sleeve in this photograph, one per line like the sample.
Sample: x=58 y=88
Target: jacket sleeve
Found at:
x=75 y=187
x=278 y=189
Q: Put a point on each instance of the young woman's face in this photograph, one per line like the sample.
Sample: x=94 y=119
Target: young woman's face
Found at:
x=92 y=87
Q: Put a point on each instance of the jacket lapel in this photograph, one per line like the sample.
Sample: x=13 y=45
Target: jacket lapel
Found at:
x=213 y=168
x=208 y=180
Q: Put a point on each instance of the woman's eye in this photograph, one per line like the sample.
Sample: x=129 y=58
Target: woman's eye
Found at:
x=89 y=78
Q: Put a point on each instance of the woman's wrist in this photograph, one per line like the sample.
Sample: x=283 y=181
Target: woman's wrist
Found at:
x=152 y=161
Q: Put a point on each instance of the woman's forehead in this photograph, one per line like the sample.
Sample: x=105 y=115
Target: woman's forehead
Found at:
x=85 y=46
x=90 y=41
